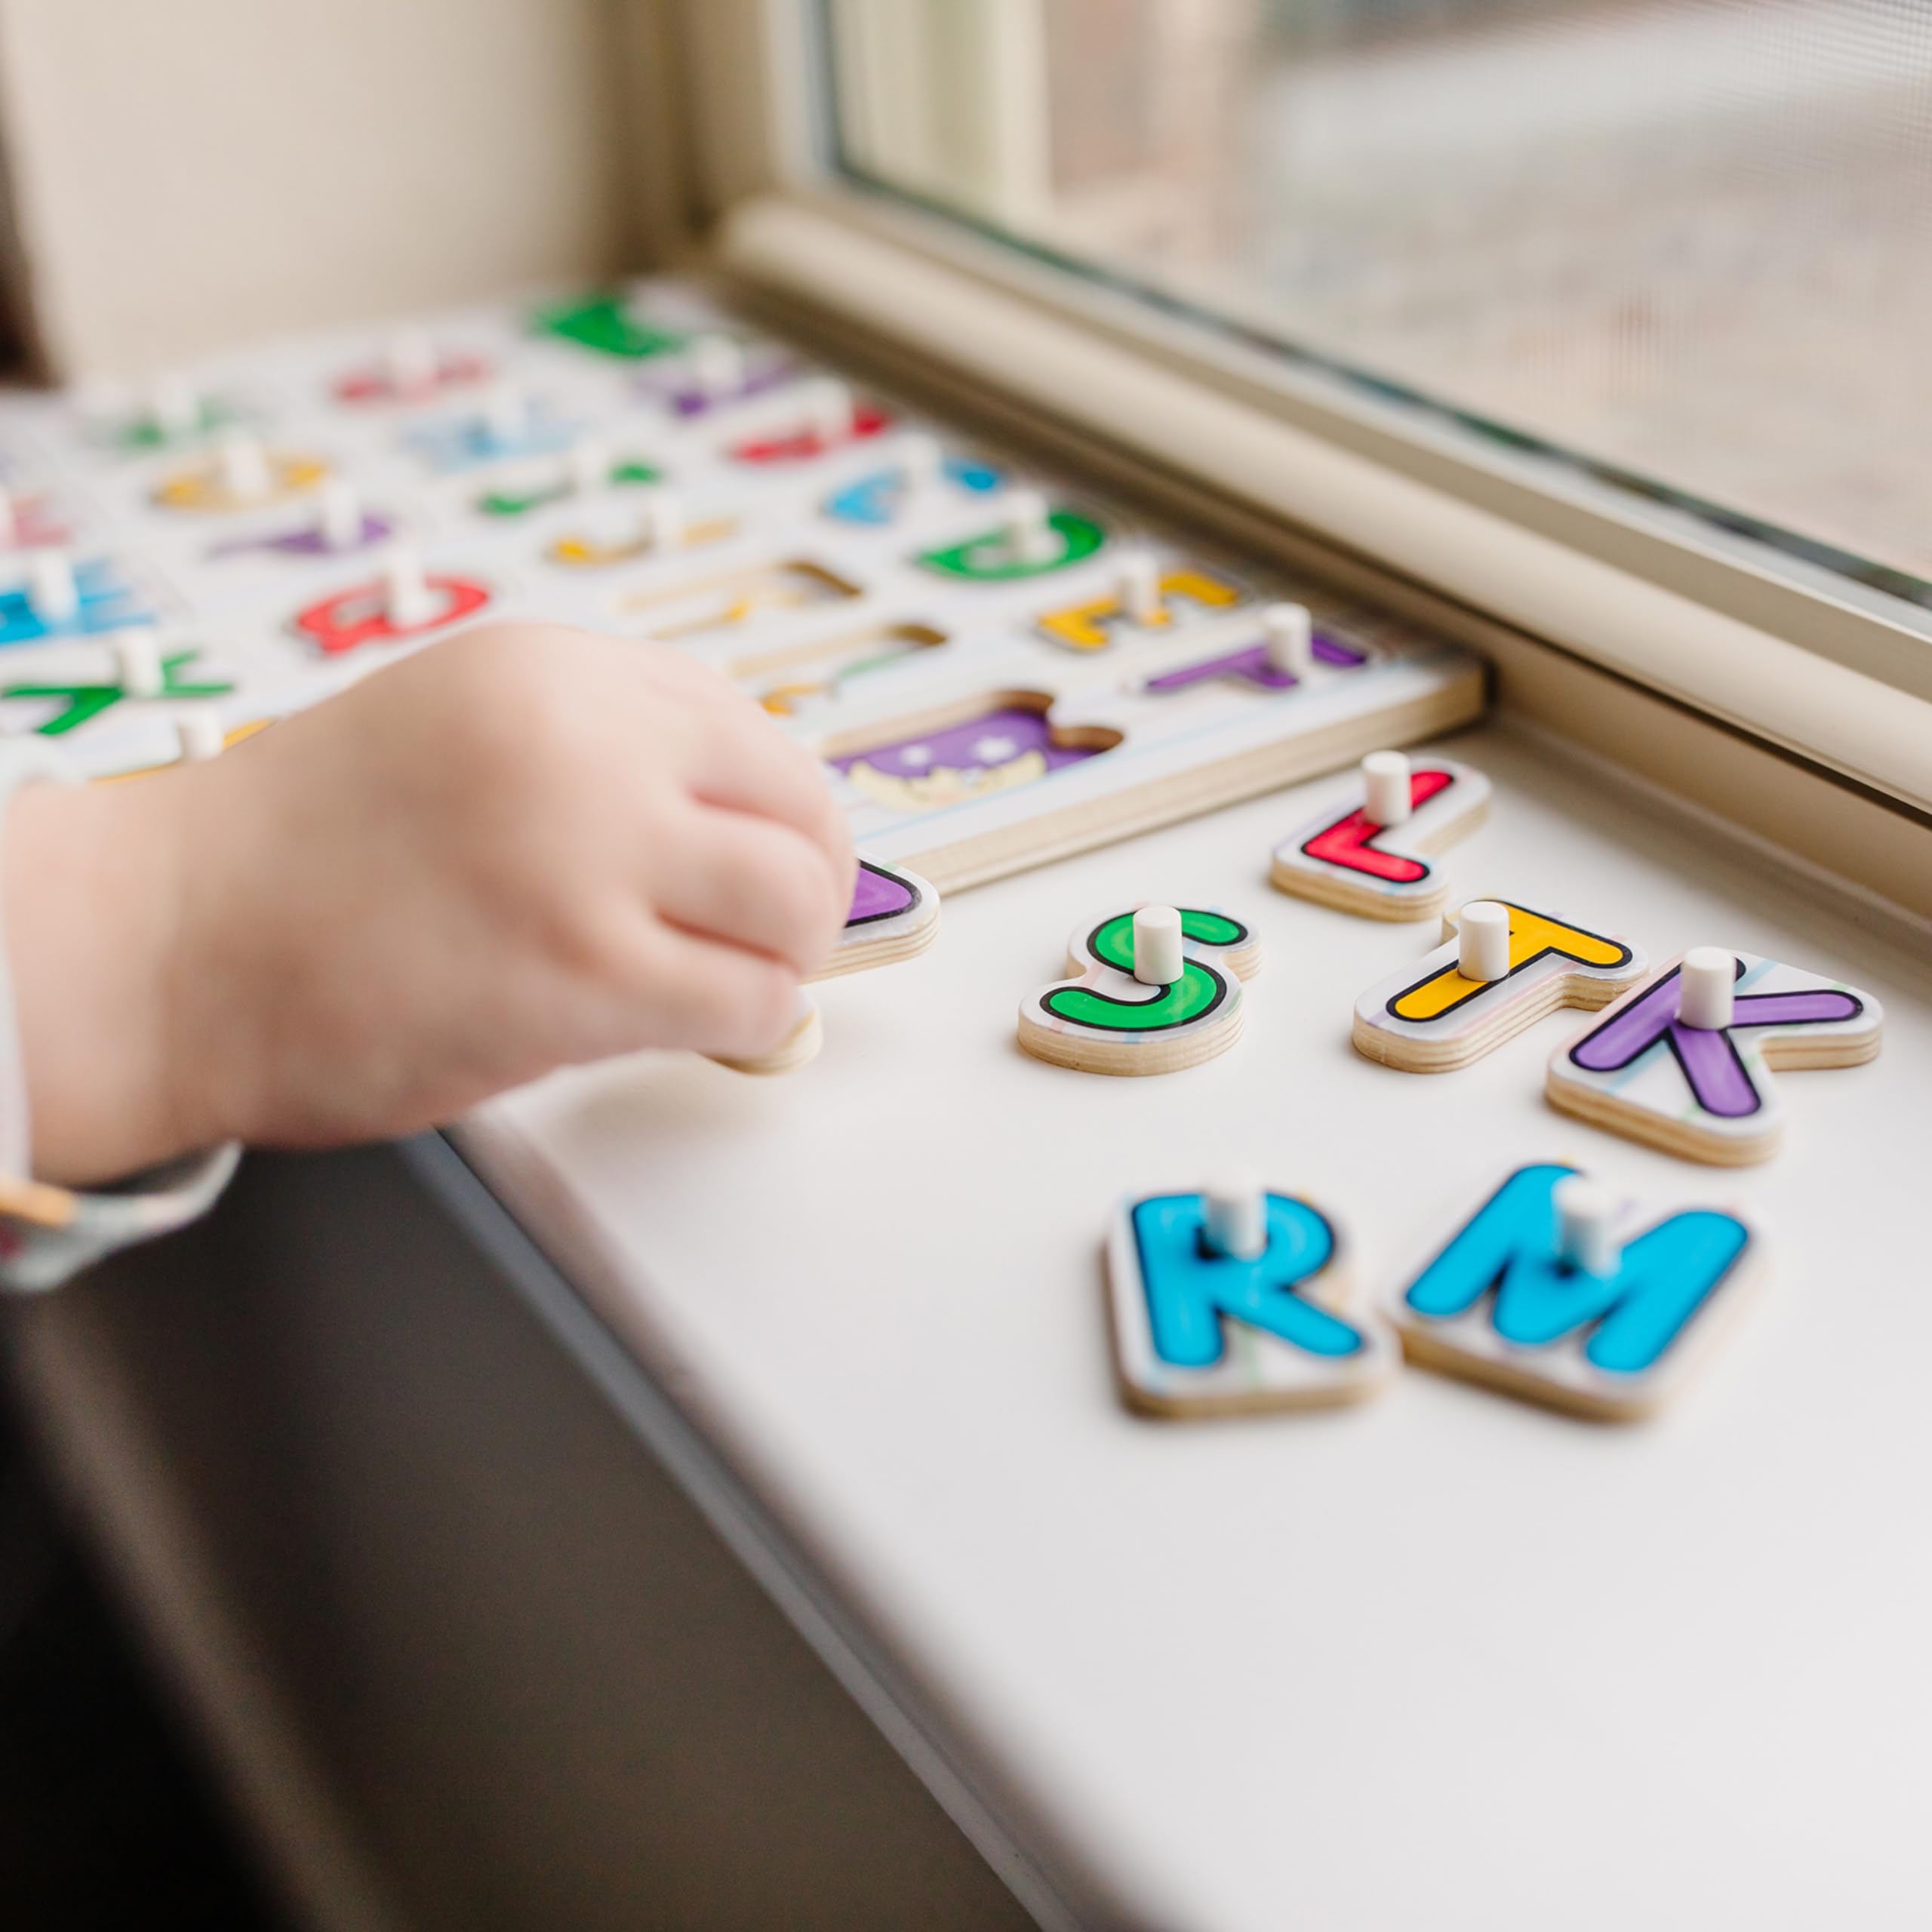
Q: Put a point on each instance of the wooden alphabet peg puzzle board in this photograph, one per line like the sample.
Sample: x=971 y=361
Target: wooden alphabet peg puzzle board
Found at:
x=996 y=667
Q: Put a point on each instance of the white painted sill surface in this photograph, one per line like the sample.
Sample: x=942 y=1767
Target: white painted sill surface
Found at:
x=1447 y=1660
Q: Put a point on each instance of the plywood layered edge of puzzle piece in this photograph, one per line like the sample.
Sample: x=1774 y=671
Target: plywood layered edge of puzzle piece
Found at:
x=1711 y=1094
x=799 y=1048
x=1615 y=1347
x=1552 y=1289
x=1457 y=801
x=1299 y=1342
x=895 y=916
x=956 y=860
x=1102 y=1018
x=1473 y=1018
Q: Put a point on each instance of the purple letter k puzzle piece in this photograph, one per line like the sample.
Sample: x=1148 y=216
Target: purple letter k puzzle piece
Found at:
x=1707 y=1092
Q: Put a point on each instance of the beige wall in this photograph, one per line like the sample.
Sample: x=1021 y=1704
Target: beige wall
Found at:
x=190 y=174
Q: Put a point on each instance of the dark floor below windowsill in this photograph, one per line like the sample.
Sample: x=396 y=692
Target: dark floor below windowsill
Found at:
x=107 y=1820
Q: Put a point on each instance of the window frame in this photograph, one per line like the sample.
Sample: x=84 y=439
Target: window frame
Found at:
x=1824 y=668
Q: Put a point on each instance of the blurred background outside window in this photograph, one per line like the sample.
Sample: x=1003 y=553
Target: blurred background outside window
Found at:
x=1682 y=245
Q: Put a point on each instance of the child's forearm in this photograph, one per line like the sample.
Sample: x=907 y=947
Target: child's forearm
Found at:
x=93 y=886
x=524 y=847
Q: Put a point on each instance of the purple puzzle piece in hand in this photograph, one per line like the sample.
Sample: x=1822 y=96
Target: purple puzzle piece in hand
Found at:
x=879 y=894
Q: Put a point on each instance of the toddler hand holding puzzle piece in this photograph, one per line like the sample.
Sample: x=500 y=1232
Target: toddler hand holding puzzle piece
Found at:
x=523 y=847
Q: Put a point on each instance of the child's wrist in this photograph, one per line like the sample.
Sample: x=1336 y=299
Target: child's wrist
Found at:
x=93 y=879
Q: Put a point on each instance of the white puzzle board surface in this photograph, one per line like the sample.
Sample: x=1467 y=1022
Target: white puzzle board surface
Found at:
x=645 y=465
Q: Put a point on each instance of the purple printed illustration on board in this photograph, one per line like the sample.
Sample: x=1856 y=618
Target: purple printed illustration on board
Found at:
x=984 y=743
x=1718 y=1079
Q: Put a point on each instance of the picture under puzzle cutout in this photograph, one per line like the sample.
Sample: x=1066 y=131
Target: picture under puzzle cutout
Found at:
x=1101 y=1020
x=1197 y=1333
x=1499 y=1305
x=1711 y=1094
x=1057 y=717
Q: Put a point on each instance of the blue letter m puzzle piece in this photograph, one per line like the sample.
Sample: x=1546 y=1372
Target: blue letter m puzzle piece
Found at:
x=1189 y=1289
x=1664 y=1276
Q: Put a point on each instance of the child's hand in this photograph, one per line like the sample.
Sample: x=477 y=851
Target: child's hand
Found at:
x=524 y=847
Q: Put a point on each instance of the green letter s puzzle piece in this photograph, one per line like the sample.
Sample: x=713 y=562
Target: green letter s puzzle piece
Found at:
x=1198 y=991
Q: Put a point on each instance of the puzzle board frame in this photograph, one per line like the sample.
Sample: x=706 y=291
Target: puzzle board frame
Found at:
x=1129 y=752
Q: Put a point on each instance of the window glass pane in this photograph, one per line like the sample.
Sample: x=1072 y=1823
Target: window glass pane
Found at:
x=1686 y=244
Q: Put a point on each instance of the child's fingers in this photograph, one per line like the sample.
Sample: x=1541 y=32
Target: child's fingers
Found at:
x=744 y=763
x=752 y=882
x=715 y=998
x=671 y=670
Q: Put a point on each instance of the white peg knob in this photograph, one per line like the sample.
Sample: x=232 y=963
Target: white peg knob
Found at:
x=1586 y=1225
x=1139 y=588
x=587 y=467
x=920 y=458
x=1385 y=784
x=407 y=600
x=176 y=408
x=1030 y=537
x=1288 y=636
x=1234 y=1215
x=826 y=406
x=242 y=465
x=1482 y=947
x=339 y=519
x=51 y=589
x=197 y=730
x=664 y=520
x=1707 y=983
x=717 y=364
x=411 y=361
x=137 y=661
x=1158 y=958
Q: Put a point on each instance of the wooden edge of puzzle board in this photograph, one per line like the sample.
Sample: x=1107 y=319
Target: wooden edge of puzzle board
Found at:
x=1052 y=834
